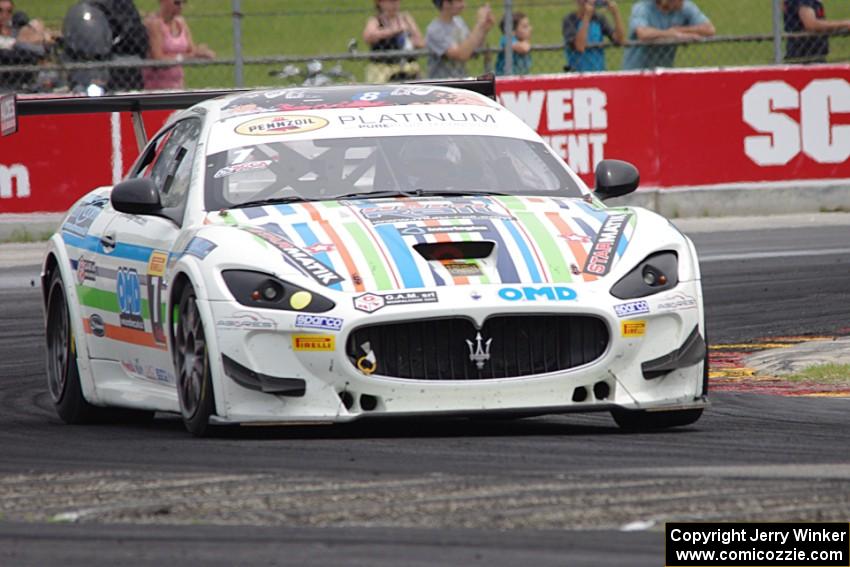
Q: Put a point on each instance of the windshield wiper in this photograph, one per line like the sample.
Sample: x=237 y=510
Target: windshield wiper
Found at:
x=272 y=201
x=417 y=193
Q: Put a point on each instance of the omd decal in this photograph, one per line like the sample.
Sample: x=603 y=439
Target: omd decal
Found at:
x=14 y=181
x=818 y=134
x=576 y=120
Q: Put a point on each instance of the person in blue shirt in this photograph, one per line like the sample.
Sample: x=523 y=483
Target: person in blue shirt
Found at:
x=520 y=45
x=585 y=27
x=663 y=21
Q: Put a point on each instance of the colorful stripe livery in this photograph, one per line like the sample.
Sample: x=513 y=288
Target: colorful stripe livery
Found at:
x=368 y=245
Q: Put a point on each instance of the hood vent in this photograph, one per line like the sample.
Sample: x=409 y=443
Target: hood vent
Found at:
x=440 y=251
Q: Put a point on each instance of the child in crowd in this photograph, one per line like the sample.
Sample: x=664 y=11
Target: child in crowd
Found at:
x=520 y=45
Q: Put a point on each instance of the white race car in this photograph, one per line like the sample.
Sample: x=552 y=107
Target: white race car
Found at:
x=331 y=254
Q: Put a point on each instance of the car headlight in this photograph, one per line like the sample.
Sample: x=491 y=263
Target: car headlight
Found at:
x=656 y=273
x=256 y=289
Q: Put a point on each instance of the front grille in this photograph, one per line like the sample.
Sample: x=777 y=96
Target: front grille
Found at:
x=522 y=345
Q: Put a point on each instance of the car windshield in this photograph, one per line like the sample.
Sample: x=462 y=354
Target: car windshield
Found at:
x=309 y=170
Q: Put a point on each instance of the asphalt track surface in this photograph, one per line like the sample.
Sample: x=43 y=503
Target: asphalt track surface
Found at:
x=565 y=490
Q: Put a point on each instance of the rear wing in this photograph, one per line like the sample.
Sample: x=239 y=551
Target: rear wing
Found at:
x=11 y=106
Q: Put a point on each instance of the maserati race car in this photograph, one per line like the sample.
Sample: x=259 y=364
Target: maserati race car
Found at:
x=330 y=254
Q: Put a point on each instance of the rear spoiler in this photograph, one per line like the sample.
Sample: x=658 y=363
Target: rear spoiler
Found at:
x=11 y=107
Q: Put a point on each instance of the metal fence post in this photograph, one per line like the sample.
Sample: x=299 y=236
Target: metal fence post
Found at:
x=778 y=27
x=239 y=62
x=508 y=32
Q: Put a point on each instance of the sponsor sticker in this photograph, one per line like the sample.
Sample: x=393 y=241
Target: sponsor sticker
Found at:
x=632 y=329
x=86 y=270
x=299 y=258
x=98 y=328
x=246 y=321
x=371 y=302
x=157 y=263
x=81 y=218
x=129 y=294
x=631 y=308
x=419 y=230
x=284 y=124
x=319 y=322
x=463 y=269
x=241 y=168
x=534 y=293
x=677 y=302
x=8 y=115
x=314 y=343
x=602 y=252
x=199 y=247
x=412 y=213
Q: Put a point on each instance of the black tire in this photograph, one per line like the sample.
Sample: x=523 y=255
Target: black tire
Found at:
x=192 y=366
x=63 y=374
x=639 y=420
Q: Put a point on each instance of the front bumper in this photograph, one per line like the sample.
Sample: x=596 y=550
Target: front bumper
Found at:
x=335 y=390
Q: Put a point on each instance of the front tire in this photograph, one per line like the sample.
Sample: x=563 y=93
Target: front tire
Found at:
x=63 y=374
x=192 y=366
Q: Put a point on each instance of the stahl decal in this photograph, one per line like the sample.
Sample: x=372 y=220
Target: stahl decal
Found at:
x=318 y=322
x=130 y=299
x=98 y=328
x=299 y=258
x=199 y=247
x=245 y=320
x=275 y=125
x=81 y=218
x=601 y=256
x=552 y=293
x=676 y=302
x=632 y=308
x=371 y=302
x=314 y=343
x=409 y=213
x=630 y=329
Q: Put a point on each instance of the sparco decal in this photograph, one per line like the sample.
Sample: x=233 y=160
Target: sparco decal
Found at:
x=552 y=293
x=371 y=302
x=633 y=308
x=299 y=258
x=602 y=252
x=275 y=125
x=318 y=322
x=14 y=181
x=408 y=213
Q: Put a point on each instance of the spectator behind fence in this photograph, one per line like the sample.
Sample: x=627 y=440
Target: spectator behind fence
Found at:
x=809 y=16
x=449 y=40
x=520 y=46
x=22 y=42
x=392 y=30
x=584 y=27
x=170 y=40
x=129 y=42
x=663 y=20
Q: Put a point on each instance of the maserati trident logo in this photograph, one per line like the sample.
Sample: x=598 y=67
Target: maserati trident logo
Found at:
x=479 y=351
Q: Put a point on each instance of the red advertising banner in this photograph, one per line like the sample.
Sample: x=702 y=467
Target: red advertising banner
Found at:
x=679 y=127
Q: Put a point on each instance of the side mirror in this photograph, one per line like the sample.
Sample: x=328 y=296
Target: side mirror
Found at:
x=615 y=178
x=136 y=197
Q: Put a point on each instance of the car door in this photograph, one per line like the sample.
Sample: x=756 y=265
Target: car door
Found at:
x=136 y=252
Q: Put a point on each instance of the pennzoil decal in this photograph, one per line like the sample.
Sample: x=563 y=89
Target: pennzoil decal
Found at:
x=299 y=258
x=275 y=125
x=314 y=343
x=604 y=248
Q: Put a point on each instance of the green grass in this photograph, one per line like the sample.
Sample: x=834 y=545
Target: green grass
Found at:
x=824 y=374
x=22 y=235
x=290 y=27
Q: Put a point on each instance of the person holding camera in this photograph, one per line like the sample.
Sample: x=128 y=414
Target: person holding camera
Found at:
x=450 y=42
x=585 y=29
x=666 y=22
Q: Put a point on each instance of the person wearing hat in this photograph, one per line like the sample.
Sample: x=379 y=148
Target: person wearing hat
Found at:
x=450 y=42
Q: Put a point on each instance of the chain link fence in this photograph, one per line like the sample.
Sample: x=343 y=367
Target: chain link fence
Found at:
x=272 y=42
